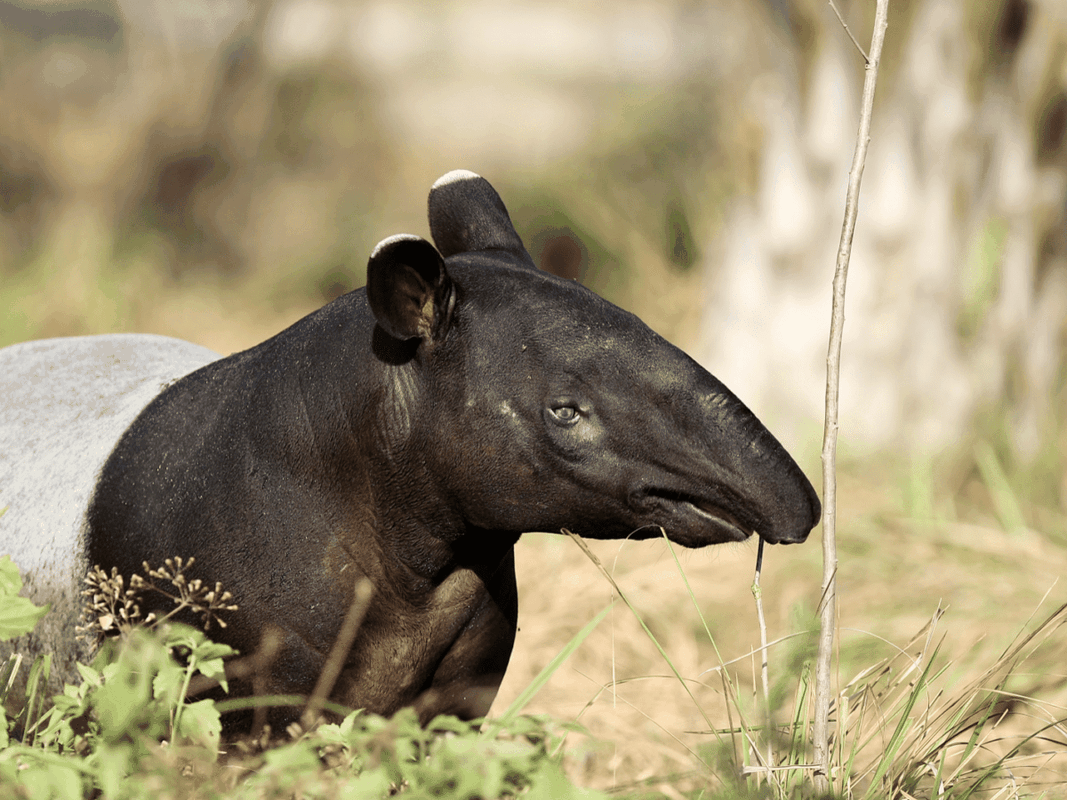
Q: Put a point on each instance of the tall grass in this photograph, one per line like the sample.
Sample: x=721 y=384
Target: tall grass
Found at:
x=907 y=725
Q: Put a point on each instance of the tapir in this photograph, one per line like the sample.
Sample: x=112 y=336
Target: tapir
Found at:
x=408 y=432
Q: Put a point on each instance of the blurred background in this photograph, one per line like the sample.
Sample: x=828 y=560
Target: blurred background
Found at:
x=214 y=170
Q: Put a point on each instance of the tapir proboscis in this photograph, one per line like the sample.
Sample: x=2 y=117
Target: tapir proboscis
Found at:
x=408 y=432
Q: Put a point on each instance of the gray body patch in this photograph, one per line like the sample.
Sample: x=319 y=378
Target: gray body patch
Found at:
x=64 y=404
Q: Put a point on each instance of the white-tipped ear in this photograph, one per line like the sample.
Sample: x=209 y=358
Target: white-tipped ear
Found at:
x=408 y=287
x=455 y=176
x=467 y=215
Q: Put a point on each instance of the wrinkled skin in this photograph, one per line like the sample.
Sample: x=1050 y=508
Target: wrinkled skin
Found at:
x=409 y=432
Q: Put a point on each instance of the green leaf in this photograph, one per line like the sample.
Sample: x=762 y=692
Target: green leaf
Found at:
x=89 y=675
x=202 y=723
x=113 y=764
x=370 y=783
x=167 y=683
x=17 y=614
x=52 y=780
x=213 y=668
x=178 y=634
x=549 y=783
x=10 y=580
x=212 y=651
x=348 y=724
x=57 y=724
x=125 y=701
x=291 y=760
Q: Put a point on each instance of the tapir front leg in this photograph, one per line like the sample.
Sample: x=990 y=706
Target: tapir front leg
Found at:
x=466 y=682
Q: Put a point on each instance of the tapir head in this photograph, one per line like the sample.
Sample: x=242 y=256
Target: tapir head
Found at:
x=543 y=406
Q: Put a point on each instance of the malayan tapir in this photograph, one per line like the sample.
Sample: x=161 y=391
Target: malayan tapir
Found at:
x=408 y=432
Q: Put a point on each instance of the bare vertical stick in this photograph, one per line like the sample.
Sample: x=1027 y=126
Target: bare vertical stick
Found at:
x=335 y=662
x=757 y=592
x=828 y=608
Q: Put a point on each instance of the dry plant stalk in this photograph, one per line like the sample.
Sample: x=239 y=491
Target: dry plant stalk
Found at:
x=828 y=605
x=757 y=593
x=111 y=608
x=346 y=637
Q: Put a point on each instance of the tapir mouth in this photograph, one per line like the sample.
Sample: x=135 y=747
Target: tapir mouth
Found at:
x=721 y=517
x=726 y=525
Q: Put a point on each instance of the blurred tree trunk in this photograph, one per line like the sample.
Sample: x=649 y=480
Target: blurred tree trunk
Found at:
x=959 y=299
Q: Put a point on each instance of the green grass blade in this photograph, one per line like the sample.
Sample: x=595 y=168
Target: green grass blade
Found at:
x=724 y=675
x=527 y=694
x=7 y=675
x=35 y=692
x=799 y=727
x=1009 y=511
x=648 y=632
x=904 y=724
x=692 y=594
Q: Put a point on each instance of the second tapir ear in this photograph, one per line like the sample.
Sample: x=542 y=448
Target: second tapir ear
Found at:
x=408 y=289
x=467 y=215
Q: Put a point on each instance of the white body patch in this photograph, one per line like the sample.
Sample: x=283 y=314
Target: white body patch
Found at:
x=64 y=404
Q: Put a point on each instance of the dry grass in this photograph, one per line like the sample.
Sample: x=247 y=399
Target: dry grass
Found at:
x=897 y=574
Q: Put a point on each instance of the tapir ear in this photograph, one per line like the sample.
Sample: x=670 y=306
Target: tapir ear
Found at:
x=467 y=215
x=408 y=289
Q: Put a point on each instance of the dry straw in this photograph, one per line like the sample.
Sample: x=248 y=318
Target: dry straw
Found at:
x=828 y=605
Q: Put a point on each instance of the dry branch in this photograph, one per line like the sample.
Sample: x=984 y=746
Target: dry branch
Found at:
x=828 y=609
x=361 y=598
x=757 y=592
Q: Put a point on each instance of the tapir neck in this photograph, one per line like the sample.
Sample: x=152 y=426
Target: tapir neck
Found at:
x=271 y=469
x=355 y=430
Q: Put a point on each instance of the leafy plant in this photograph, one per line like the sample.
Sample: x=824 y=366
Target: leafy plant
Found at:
x=18 y=615
x=128 y=730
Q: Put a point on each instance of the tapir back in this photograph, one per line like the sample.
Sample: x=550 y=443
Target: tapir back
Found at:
x=64 y=403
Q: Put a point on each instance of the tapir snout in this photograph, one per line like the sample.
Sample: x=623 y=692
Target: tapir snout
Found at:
x=652 y=429
x=764 y=491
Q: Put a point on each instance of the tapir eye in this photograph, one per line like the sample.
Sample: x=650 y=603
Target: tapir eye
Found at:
x=564 y=414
